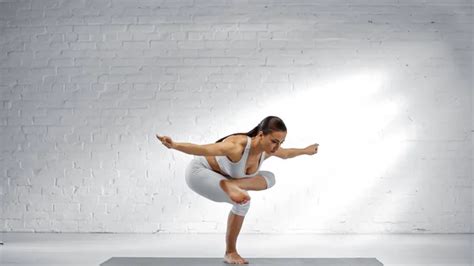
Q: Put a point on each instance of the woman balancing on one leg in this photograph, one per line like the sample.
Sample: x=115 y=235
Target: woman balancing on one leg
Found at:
x=225 y=170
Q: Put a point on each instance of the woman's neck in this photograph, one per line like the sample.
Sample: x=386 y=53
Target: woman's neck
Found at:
x=255 y=146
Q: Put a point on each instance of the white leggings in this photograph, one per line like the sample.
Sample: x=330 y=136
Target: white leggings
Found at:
x=204 y=181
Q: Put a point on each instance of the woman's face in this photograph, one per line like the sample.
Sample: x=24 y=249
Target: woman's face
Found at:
x=271 y=142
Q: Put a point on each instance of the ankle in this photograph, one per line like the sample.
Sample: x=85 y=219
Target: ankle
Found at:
x=223 y=182
x=227 y=185
x=230 y=251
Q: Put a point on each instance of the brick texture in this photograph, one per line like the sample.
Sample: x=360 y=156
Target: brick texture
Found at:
x=385 y=88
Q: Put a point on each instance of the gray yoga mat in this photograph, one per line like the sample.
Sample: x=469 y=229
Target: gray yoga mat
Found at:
x=166 y=261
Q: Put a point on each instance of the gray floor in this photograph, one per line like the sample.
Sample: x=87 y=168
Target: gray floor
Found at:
x=120 y=261
x=93 y=249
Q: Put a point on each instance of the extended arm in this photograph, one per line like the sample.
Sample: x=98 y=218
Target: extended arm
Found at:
x=213 y=149
x=293 y=152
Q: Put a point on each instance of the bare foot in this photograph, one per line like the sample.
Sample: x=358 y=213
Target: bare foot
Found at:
x=235 y=193
x=234 y=258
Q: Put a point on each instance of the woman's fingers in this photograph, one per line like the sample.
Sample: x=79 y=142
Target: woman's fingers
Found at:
x=165 y=140
x=162 y=139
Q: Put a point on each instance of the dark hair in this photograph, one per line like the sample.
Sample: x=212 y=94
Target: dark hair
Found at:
x=268 y=125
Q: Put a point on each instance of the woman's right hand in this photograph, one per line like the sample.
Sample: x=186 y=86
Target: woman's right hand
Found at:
x=165 y=140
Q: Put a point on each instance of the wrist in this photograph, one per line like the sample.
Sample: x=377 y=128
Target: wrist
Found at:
x=174 y=145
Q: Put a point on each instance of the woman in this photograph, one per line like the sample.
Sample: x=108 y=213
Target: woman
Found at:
x=224 y=171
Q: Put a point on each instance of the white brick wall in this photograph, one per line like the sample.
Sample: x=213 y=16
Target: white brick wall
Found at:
x=384 y=86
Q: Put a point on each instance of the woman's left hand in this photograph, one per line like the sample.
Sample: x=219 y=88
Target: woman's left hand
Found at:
x=312 y=149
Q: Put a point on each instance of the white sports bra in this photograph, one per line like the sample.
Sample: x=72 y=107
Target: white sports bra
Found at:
x=237 y=170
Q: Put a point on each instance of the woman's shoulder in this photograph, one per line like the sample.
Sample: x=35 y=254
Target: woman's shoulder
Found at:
x=241 y=140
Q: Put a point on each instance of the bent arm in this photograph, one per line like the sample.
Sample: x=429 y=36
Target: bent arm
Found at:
x=213 y=149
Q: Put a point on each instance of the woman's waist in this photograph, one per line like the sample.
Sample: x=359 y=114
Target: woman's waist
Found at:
x=212 y=164
x=233 y=171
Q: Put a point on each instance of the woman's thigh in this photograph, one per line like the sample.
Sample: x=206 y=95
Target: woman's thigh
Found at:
x=205 y=181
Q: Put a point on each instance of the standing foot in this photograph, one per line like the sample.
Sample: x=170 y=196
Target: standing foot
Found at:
x=235 y=193
x=234 y=258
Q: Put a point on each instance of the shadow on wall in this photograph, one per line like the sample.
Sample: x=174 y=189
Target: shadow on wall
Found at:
x=363 y=105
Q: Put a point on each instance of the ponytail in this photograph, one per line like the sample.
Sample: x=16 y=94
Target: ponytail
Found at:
x=267 y=125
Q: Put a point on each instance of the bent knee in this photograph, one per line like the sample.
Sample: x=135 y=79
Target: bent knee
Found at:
x=269 y=178
x=241 y=209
